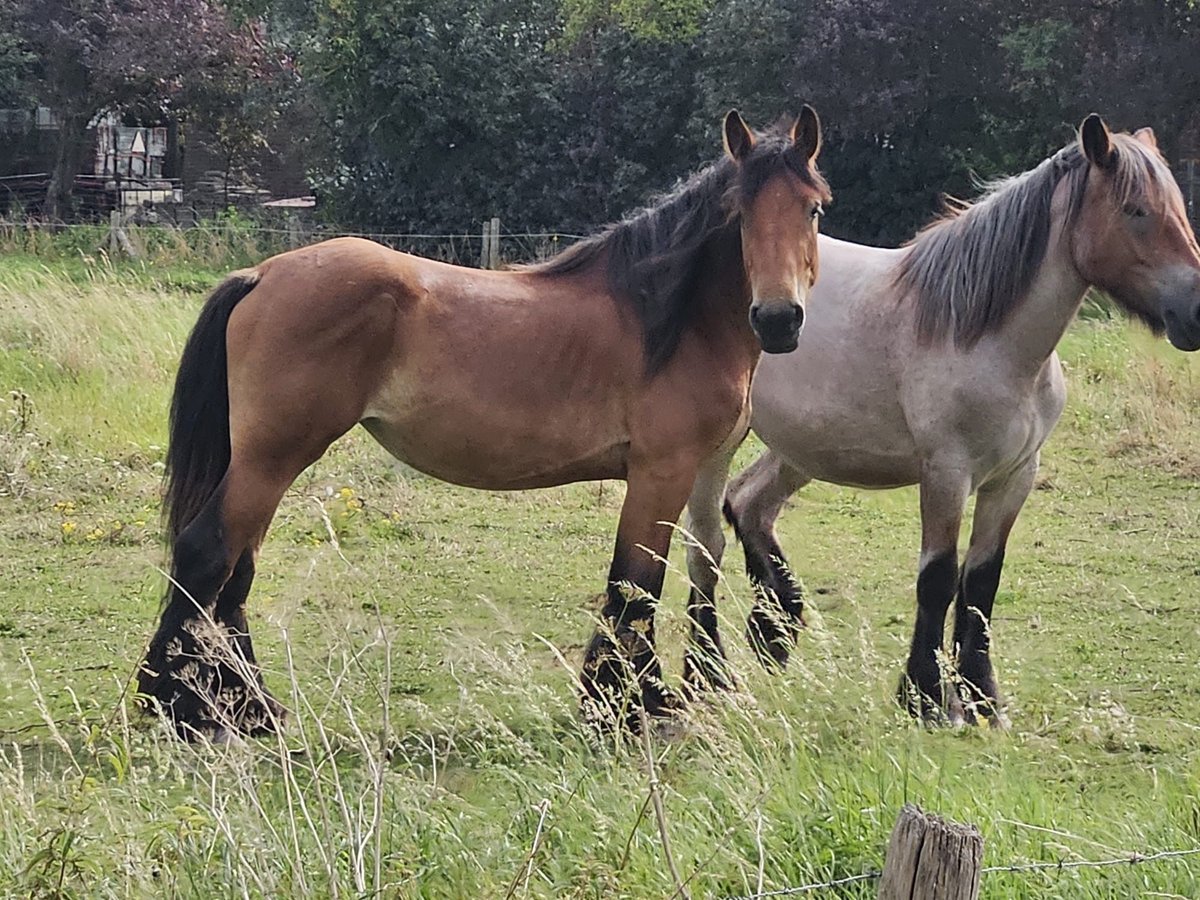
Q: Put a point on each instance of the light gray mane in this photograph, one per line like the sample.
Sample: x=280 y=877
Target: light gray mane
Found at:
x=967 y=270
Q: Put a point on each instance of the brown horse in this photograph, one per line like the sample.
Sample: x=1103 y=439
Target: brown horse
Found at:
x=628 y=356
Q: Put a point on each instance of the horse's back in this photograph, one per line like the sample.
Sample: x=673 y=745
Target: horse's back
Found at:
x=340 y=269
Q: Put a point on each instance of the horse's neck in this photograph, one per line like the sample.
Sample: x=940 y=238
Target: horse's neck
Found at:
x=1037 y=323
x=724 y=291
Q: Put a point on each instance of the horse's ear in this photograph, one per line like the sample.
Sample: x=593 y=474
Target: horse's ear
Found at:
x=1146 y=136
x=1097 y=142
x=806 y=134
x=739 y=140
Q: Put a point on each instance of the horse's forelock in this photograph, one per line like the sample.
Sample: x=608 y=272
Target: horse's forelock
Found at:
x=772 y=154
x=1141 y=175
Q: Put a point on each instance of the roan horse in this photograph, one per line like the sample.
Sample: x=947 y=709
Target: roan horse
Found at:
x=628 y=356
x=934 y=365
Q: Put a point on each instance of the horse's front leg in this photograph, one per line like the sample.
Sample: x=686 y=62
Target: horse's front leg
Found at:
x=944 y=492
x=705 y=665
x=996 y=509
x=622 y=649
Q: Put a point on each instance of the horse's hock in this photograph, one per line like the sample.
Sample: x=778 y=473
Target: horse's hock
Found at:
x=929 y=858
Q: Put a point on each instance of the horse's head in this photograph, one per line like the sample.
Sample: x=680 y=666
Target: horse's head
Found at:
x=777 y=196
x=1132 y=237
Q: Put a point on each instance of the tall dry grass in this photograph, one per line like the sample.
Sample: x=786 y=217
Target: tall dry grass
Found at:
x=426 y=641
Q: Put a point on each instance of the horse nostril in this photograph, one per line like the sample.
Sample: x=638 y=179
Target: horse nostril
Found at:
x=781 y=314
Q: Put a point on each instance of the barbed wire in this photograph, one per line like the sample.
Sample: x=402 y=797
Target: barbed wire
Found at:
x=1134 y=858
x=808 y=888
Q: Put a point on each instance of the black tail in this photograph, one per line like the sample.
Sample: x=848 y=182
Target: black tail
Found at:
x=198 y=445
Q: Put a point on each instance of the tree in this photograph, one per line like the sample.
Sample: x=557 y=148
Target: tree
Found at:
x=441 y=113
x=94 y=56
x=15 y=60
x=904 y=90
x=562 y=114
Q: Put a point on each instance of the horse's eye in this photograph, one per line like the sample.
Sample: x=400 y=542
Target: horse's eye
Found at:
x=1135 y=212
x=817 y=211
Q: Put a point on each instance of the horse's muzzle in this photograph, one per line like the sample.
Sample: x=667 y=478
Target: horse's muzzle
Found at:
x=777 y=325
x=1182 y=318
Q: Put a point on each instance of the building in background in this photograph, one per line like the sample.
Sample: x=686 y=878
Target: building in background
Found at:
x=132 y=167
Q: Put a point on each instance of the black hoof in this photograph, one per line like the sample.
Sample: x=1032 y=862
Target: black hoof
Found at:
x=226 y=706
x=981 y=701
x=772 y=635
x=660 y=701
x=936 y=706
x=203 y=686
x=704 y=673
x=616 y=687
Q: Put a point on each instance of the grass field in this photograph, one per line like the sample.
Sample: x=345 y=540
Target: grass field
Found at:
x=427 y=637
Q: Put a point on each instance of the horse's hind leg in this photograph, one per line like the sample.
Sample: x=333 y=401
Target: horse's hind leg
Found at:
x=752 y=504
x=624 y=644
x=996 y=509
x=705 y=665
x=261 y=713
x=200 y=667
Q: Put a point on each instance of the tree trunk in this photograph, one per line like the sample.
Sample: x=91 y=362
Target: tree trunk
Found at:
x=68 y=159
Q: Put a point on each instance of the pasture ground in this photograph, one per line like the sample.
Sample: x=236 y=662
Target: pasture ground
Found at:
x=421 y=631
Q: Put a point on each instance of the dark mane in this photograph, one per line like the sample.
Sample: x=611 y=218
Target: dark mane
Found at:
x=970 y=268
x=654 y=255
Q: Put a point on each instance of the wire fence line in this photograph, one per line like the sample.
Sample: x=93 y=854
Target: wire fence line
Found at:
x=314 y=230
x=808 y=888
x=1134 y=858
x=139 y=234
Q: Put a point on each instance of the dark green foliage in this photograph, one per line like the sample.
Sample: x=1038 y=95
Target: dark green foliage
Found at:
x=441 y=115
x=562 y=114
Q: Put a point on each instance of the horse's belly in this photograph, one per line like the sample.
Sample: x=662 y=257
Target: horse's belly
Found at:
x=838 y=442
x=499 y=460
x=853 y=467
x=853 y=460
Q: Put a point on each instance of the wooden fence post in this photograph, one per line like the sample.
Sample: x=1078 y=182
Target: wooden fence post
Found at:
x=294 y=238
x=114 y=225
x=929 y=858
x=489 y=258
x=118 y=240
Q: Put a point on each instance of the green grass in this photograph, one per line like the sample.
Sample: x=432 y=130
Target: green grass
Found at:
x=424 y=649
